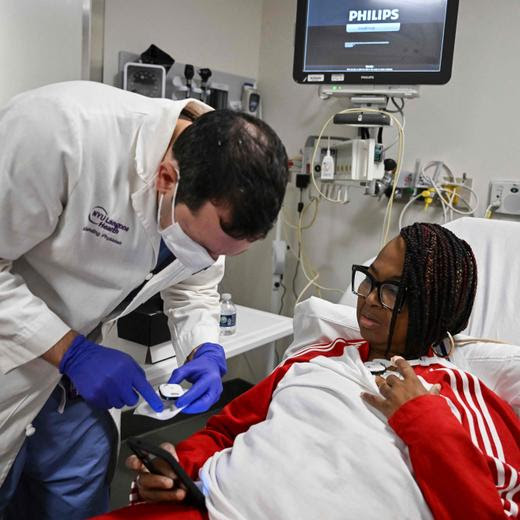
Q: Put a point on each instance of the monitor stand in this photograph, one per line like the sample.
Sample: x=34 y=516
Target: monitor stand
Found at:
x=376 y=96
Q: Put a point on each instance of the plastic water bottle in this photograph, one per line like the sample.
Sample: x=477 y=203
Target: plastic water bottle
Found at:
x=228 y=315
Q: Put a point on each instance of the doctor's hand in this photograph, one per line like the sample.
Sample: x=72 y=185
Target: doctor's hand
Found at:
x=106 y=377
x=395 y=391
x=205 y=371
x=158 y=488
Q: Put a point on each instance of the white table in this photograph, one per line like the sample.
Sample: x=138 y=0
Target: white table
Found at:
x=255 y=329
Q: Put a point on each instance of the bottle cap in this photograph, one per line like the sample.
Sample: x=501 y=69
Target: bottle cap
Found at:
x=226 y=296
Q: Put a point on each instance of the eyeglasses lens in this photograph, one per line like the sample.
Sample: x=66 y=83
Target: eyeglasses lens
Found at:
x=363 y=287
x=362 y=284
x=389 y=295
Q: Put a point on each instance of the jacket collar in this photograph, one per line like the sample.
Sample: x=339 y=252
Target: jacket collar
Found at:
x=155 y=133
x=152 y=140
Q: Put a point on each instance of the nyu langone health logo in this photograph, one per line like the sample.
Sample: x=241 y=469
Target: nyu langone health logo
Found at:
x=104 y=227
x=99 y=217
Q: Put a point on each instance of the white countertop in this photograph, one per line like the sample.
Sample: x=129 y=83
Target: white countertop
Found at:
x=255 y=328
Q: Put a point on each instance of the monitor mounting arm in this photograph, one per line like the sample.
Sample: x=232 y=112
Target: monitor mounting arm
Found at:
x=375 y=96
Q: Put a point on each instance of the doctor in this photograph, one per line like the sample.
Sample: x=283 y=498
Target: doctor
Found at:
x=108 y=197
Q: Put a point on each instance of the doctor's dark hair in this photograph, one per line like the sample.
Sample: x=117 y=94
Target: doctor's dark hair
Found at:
x=440 y=280
x=233 y=159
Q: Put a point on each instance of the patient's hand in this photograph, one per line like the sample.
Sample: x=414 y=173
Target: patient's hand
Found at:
x=395 y=391
x=156 y=488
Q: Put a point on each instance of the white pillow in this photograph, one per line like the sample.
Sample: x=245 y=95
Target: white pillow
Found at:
x=495 y=244
x=496 y=364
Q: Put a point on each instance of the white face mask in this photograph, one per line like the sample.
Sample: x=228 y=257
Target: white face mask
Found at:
x=190 y=253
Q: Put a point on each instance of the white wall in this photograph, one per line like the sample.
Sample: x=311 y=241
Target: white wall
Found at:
x=220 y=34
x=40 y=43
x=471 y=123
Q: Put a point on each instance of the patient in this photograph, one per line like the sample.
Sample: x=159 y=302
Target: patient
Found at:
x=335 y=432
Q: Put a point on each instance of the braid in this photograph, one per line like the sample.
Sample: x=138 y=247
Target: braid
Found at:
x=440 y=277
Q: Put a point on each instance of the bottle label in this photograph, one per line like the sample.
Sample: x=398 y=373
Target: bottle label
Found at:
x=228 y=320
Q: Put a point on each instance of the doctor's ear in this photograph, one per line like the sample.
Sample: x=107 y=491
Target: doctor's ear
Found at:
x=167 y=175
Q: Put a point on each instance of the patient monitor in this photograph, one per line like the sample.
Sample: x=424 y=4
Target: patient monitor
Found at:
x=374 y=46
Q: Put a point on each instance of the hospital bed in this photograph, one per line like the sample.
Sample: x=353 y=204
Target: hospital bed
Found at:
x=495 y=315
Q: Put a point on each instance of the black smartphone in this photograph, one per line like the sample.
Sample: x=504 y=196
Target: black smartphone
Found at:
x=147 y=453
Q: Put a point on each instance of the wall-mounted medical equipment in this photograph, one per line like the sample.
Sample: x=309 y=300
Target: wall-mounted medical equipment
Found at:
x=228 y=87
x=218 y=96
x=434 y=184
x=251 y=100
x=146 y=73
x=351 y=159
x=156 y=56
x=373 y=95
x=204 y=74
x=369 y=42
x=189 y=72
x=187 y=86
x=359 y=160
x=331 y=166
x=145 y=78
x=504 y=197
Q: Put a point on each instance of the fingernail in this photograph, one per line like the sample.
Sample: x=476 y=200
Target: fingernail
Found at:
x=394 y=359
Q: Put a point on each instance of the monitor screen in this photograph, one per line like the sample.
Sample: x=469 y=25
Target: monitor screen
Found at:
x=374 y=41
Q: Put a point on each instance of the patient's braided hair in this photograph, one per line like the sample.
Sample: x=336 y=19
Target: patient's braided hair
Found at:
x=440 y=280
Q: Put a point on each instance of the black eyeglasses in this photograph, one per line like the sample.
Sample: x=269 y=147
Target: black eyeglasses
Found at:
x=389 y=293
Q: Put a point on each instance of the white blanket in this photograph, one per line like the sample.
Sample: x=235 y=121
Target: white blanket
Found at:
x=321 y=453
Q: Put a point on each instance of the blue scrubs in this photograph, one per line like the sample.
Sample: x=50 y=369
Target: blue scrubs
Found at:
x=61 y=470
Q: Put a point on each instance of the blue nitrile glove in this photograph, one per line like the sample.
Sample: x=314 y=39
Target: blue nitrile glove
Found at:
x=205 y=371
x=106 y=377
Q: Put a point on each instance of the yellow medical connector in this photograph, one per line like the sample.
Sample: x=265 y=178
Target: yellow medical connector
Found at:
x=451 y=194
x=427 y=196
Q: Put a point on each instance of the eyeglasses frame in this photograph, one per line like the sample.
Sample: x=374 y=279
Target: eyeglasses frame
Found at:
x=376 y=284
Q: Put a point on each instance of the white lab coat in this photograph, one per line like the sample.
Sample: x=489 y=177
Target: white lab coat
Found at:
x=78 y=232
